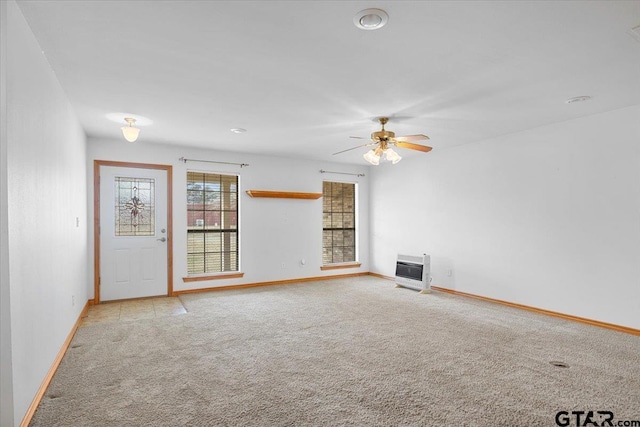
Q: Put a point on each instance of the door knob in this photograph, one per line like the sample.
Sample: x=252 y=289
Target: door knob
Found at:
x=163 y=239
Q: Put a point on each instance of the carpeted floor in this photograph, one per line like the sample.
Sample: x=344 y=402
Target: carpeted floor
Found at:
x=353 y=352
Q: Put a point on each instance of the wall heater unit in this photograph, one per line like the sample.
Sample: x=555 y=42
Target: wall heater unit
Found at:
x=414 y=272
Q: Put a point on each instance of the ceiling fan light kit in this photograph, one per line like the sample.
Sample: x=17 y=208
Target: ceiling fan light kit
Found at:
x=392 y=156
x=130 y=133
x=372 y=157
x=383 y=139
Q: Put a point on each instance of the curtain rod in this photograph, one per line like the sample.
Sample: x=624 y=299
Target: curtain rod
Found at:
x=342 y=173
x=183 y=160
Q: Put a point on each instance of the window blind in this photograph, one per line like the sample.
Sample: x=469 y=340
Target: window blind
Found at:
x=338 y=222
x=212 y=223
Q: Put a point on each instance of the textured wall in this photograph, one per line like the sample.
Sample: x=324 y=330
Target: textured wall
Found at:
x=548 y=217
x=6 y=374
x=46 y=176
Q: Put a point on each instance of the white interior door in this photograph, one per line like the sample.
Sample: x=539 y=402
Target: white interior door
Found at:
x=133 y=233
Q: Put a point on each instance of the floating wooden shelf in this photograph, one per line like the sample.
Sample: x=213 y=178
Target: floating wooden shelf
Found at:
x=283 y=194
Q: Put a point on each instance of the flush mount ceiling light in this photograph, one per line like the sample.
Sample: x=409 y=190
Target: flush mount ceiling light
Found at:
x=130 y=133
x=238 y=130
x=577 y=99
x=370 y=19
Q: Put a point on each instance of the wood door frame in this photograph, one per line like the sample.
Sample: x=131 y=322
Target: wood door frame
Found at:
x=96 y=220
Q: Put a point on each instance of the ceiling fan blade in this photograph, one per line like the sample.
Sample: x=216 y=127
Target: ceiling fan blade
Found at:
x=353 y=148
x=412 y=146
x=359 y=137
x=407 y=138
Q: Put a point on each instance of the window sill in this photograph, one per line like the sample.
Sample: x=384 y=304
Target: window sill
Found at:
x=340 y=266
x=233 y=275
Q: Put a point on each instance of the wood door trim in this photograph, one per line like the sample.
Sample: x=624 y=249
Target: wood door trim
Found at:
x=96 y=219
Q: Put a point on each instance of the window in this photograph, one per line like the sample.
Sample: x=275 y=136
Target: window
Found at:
x=338 y=222
x=212 y=223
x=134 y=206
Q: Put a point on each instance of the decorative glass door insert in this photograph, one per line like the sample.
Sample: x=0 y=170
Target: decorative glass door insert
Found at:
x=134 y=206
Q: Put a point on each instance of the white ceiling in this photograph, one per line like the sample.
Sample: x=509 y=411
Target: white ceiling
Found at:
x=301 y=78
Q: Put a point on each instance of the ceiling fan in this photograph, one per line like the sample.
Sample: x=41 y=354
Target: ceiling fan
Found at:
x=383 y=139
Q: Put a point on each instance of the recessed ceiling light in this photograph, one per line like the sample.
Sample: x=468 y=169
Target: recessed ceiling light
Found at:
x=370 y=19
x=238 y=130
x=577 y=99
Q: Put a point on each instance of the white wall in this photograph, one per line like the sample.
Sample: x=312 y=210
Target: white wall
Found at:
x=46 y=176
x=6 y=376
x=299 y=222
x=549 y=217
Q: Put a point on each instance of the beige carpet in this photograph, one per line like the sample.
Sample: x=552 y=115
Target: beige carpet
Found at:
x=353 y=352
